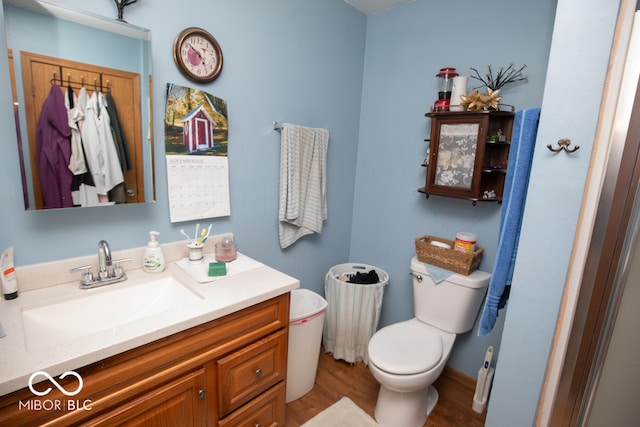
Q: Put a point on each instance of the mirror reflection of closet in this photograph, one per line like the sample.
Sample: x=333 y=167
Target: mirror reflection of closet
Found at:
x=55 y=48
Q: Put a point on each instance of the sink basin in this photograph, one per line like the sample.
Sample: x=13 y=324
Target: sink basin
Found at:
x=103 y=313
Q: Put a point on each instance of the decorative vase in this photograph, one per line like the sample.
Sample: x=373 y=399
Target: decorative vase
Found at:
x=459 y=89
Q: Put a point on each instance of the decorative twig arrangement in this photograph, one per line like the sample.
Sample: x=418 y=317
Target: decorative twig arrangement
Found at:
x=505 y=76
x=490 y=100
x=121 y=4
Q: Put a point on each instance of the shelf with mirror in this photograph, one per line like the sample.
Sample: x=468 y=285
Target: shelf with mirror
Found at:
x=468 y=154
x=52 y=46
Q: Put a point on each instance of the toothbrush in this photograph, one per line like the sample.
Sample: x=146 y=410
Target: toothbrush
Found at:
x=206 y=236
x=203 y=235
x=184 y=234
x=195 y=236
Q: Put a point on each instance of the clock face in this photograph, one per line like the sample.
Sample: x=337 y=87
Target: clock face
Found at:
x=198 y=55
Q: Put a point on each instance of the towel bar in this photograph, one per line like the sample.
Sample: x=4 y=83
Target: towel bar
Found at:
x=277 y=126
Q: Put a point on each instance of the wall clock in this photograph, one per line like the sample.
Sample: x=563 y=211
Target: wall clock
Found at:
x=197 y=54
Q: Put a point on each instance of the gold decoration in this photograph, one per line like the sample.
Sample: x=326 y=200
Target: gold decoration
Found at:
x=493 y=99
x=476 y=101
x=470 y=100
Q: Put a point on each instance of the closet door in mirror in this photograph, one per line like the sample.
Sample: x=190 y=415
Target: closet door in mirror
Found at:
x=40 y=72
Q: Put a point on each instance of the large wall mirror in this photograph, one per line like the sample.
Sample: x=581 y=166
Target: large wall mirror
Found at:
x=81 y=89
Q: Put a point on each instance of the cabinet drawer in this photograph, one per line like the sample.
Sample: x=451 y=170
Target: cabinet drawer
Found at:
x=267 y=410
x=251 y=370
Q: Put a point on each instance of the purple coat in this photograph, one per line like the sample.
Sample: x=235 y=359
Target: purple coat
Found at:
x=53 y=151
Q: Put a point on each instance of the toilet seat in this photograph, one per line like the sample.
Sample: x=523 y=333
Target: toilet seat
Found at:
x=405 y=348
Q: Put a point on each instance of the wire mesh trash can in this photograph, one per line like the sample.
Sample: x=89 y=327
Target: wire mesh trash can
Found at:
x=353 y=311
x=306 y=319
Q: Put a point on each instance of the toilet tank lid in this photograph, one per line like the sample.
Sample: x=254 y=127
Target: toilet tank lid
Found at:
x=478 y=279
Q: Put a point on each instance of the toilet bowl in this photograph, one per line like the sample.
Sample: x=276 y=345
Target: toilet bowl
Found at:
x=406 y=358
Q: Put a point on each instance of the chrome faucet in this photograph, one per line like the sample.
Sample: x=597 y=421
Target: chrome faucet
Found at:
x=109 y=271
x=104 y=259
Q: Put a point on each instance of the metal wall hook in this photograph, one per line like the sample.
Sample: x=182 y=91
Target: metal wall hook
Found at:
x=563 y=144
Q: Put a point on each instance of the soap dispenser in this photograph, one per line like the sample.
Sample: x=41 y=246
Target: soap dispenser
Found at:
x=153 y=261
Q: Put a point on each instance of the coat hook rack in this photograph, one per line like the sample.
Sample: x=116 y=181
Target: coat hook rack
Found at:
x=563 y=144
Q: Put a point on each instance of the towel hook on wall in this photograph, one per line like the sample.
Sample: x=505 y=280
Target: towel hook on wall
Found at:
x=563 y=144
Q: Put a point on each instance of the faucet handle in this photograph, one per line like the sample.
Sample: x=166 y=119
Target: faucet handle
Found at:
x=118 y=271
x=87 y=275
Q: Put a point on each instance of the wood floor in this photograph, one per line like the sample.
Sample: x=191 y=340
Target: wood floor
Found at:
x=336 y=378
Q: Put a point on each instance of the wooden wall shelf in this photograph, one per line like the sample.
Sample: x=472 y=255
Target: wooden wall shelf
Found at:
x=468 y=154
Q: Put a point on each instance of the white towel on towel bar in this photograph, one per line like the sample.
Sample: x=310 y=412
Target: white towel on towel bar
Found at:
x=303 y=202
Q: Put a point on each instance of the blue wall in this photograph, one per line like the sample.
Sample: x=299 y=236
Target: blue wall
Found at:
x=317 y=63
x=406 y=47
x=579 y=63
x=296 y=61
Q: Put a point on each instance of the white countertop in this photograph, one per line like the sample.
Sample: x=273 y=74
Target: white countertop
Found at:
x=218 y=298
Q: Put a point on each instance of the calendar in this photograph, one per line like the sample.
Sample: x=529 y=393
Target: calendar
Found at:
x=198 y=187
x=196 y=135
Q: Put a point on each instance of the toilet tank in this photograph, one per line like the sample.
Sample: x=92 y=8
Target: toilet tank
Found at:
x=451 y=305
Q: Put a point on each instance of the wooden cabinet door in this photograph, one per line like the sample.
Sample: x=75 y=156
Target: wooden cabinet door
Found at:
x=455 y=162
x=38 y=72
x=179 y=403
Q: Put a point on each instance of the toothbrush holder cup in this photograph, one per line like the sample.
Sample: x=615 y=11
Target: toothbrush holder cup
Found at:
x=195 y=252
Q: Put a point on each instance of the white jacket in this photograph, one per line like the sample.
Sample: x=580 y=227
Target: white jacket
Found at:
x=99 y=146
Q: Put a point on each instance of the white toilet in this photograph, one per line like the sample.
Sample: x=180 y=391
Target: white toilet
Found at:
x=407 y=357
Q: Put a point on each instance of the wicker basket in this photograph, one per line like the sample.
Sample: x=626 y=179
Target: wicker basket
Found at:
x=449 y=259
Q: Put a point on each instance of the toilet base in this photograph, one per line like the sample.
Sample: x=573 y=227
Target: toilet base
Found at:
x=410 y=409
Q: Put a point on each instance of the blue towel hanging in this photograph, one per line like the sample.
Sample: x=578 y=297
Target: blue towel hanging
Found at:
x=525 y=129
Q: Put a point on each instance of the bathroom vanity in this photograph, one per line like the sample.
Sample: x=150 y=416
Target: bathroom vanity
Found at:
x=217 y=360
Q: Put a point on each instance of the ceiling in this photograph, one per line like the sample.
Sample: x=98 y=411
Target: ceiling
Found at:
x=370 y=7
